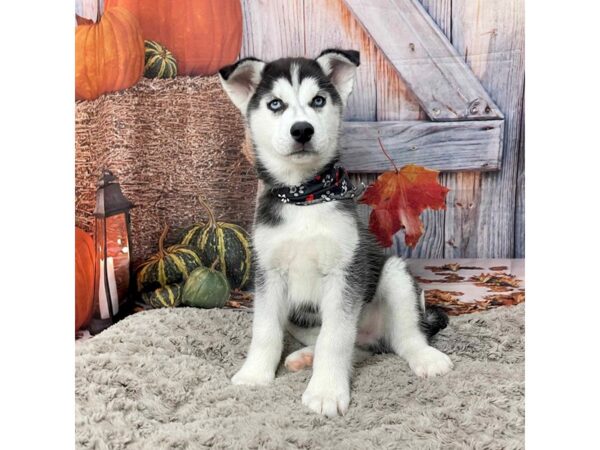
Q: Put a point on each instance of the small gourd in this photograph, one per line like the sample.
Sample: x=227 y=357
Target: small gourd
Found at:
x=206 y=288
x=158 y=61
x=170 y=265
x=228 y=243
x=164 y=297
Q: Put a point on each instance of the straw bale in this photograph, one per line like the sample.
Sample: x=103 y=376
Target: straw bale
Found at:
x=167 y=141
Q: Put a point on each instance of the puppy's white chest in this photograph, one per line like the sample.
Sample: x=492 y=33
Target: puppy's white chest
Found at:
x=310 y=243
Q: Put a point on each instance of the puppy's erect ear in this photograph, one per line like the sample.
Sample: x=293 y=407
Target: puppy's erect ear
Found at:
x=340 y=66
x=240 y=80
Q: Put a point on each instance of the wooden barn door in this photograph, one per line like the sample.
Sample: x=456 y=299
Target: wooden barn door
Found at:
x=478 y=148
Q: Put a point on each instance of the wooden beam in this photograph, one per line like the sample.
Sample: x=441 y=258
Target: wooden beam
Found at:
x=431 y=67
x=444 y=146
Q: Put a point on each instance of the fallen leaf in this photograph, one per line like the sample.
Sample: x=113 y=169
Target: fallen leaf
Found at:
x=399 y=198
x=454 y=267
x=497 y=279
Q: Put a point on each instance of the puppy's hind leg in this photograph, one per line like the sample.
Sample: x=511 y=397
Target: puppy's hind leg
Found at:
x=408 y=324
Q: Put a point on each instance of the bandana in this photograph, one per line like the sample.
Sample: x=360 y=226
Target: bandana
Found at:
x=332 y=183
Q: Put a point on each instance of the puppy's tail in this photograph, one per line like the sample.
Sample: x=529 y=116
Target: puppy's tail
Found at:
x=433 y=319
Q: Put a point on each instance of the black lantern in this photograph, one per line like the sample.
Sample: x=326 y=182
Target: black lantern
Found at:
x=113 y=249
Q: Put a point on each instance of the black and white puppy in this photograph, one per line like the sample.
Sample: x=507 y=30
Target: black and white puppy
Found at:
x=320 y=274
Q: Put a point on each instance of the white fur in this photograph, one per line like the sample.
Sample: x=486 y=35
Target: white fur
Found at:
x=401 y=327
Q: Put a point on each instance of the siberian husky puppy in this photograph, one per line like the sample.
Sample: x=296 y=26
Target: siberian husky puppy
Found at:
x=320 y=274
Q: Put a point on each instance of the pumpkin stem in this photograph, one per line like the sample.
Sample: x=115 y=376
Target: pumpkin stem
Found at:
x=211 y=217
x=214 y=264
x=161 y=240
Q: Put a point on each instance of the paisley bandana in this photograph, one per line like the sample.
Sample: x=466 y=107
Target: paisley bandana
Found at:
x=332 y=183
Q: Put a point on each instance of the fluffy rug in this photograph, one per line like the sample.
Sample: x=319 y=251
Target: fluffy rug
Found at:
x=160 y=379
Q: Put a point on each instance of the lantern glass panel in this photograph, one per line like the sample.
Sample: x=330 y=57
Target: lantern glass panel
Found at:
x=112 y=264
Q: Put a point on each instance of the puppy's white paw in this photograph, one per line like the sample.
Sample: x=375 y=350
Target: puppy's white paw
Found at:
x=326 y=399
x=251 y=377
x=300 y=359
x=429 y=362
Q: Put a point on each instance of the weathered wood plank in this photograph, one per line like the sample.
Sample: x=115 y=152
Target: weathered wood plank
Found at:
x=431 y=244
x=428 y=63
x=329 y=24
x=490 y=35
x=273 y=28
x=447 y=146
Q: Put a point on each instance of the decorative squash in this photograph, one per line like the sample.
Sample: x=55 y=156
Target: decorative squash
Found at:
x=84 y=278
x=206 y=288
x=168 y=266
x=229 y=244
x=109 y=54
x=203 y=35
x=164 y=297
x=159 y=62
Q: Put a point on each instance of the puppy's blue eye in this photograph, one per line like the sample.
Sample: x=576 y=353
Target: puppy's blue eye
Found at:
x=318 y=101
x=275 y=105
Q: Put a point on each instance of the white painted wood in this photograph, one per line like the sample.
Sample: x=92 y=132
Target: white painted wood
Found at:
x=273 y=28
x=472 y=145
x=88 y=9
x=428 y=63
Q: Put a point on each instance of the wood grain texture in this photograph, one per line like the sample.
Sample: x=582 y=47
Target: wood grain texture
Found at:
x=431 y=244
x=329 y=24
x=430 y=66
x=273 y=28
x=520 y=205
x=490 y=35
x=447 y=146
x=88 y=9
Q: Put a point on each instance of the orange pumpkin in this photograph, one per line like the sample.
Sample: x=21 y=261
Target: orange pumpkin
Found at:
x=203 y=35
x=84 y=278
x=109 y=54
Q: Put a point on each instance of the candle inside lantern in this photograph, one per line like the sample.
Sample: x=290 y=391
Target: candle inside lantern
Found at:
x=112 y=286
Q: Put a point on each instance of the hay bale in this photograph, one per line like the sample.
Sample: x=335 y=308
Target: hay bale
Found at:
x=167 y=141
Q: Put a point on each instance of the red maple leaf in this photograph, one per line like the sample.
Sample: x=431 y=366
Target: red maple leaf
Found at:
x=399 y=198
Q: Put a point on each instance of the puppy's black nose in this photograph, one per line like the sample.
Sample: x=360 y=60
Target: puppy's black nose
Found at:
x=302 y=132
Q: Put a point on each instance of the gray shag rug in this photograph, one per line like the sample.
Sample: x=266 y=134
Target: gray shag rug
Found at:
x=160 y=380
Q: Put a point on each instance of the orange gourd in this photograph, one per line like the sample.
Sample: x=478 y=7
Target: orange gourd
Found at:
x=109 y=54
x=84 y=278
x=203 y=35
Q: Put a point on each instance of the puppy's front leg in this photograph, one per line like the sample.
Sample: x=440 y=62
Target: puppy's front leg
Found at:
x=328 y=391
x=270 y=313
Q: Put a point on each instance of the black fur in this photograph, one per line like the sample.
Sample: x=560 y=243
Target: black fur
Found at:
x=352 y=55
x=365 y=268
x=432 y=320
x=226 y=71
x=282 y=68
x=268 y=210
x=305 y=316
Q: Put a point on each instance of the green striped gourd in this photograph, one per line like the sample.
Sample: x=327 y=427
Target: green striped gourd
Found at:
x=168 y=266
x=164 y=297
x=206 y=288
x=159 y=62
x=227 y=243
